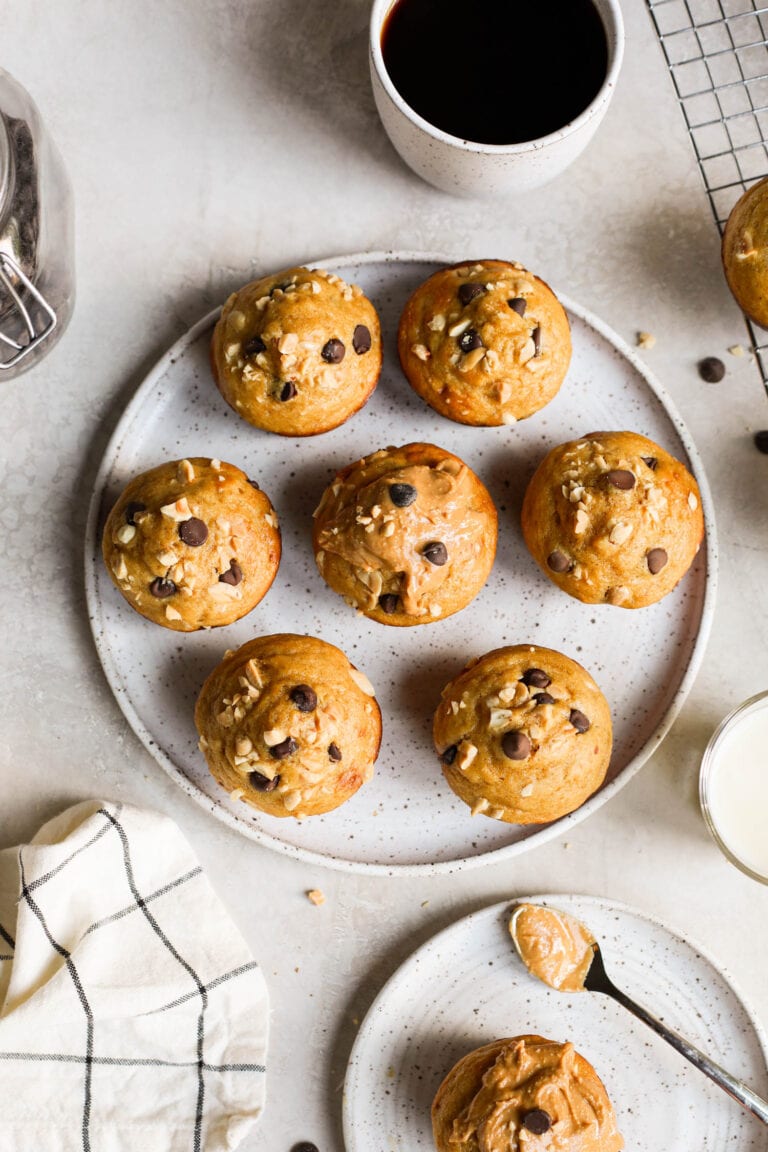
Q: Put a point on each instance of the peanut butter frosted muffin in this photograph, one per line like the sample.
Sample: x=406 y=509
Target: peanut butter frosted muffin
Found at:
x=745 y=252
x=192 y=544
x=288 y=725
x=486 y=343
x=524 y=735
x=297 y=353
x=613 y=518
x=406 y=535
x=522 y=1094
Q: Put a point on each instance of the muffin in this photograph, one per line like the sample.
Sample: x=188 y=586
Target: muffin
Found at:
x=406 y=535
x=523 y=734
x=297 y=353
x=288 y=725
x=613 y=518
x=745 y=252
x=486 y=343
x=521 y=1094
x=192 y=544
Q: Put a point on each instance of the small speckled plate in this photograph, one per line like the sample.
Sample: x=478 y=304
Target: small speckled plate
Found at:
x=406 y=819
x=467 y=986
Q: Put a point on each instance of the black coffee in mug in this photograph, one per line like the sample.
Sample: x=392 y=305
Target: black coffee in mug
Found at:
x=496 y=71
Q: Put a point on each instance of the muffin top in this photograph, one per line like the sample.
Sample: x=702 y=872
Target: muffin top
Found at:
x=745 y=252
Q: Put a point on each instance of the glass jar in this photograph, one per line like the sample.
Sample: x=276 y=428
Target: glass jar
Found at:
x=37 y=280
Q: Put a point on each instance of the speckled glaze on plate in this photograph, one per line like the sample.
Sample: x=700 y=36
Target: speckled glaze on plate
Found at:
x=467 y=986
x=645 y=661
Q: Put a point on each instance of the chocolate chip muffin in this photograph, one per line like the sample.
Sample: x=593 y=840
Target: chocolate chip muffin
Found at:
x=485 y=343
x=522 y=1094
x=297 y=353
x=288 y=725
x=192 y=544
x=613 y=518
x=406 y=535
x=745 y=252
x=523 y=734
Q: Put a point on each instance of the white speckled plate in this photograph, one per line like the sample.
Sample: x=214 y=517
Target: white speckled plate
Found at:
x=466 y=987
x=406 y=819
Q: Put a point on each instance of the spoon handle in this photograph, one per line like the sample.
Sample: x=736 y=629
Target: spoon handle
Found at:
x=735 y=1088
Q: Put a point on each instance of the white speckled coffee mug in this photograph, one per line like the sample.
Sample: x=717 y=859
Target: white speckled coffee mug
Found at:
x=486 y=170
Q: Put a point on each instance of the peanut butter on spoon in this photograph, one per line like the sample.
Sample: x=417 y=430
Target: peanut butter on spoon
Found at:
x=555 y=947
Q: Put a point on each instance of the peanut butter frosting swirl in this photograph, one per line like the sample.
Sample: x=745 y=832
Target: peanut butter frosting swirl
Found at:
x=555 y=947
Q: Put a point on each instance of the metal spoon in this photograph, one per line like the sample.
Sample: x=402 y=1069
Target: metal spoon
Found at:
x=597 y=980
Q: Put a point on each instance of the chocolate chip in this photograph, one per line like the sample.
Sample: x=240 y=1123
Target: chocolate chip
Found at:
x=334 y=752
x=537 y=1121
x=449 y=755
x=233 y=575
x=579 y=720
x=388 y=603
x=402 y=495
x=305 y=1146
x=651 y=461
x=131 y=510
x=285 y=748
x=162 y=588
x=262 y=783
x=536 y=678
x=288 y=391
x=333 y=352
x=254 y=346
x=436 y=552
x=558 y=562
x=304 y=697
x=253 y=484
x=761 y=442
x=361 y=339
x=515 y=745
x=470 y=340
x=621 y=478
x=544 y=698
x=656 y=558
x=711 y=369
x=536 y=337
x=193 y=532
x=469 y=292
x=518 y=304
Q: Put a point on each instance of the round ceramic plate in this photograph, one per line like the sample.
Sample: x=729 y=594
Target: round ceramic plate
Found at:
x=467 y=987
x=406 y=818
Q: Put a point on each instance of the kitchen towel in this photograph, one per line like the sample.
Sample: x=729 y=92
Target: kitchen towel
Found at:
x=133 y=1017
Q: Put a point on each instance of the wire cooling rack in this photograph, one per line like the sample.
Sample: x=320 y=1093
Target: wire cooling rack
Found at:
x=717 y=53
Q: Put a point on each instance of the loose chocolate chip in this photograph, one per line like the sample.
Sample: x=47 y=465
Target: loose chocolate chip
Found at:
x=436 y=552
x=449 y=755
x=761 y=442
x=470 y=340
x=711 y=369
x=579 y=720
x=402 y=495
x=544 y=698
x=334 y=752
x=233 y=575
x=254 y=346
x=193 y=532
x=253 y=484
x=131 y=510
x=288 y=391
x=656 y=558
x=263 y=783
x=333 y=352
x=558 y=562
x=515 y=745
x=305 y=1146
x=651 y=461
x=304 y=697
x=536 y=337
x=285 y=748
x=536 y=678
x=518 y=304
x=537 y=1121
x=161 y=588
x=361 y=339
x=621 y=478
x=388 y=603
x=469 y=292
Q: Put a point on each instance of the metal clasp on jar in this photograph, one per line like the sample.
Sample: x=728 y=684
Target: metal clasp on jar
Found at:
x=32 y=316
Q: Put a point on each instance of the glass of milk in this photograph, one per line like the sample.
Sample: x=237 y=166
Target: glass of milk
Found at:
x=733 y=787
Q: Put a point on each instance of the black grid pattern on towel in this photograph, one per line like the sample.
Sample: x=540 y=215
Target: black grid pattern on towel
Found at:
x=89 y=1058
x=717 y=54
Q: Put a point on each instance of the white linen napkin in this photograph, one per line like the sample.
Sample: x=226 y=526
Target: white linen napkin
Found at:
x=133 y=1017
